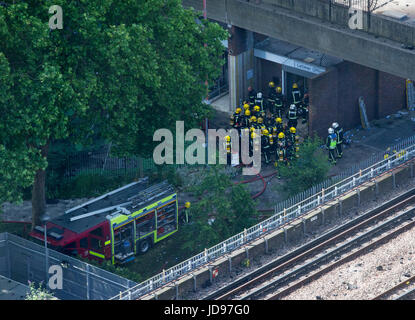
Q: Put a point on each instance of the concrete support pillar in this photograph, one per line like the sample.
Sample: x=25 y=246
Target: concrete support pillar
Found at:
x=240 y=65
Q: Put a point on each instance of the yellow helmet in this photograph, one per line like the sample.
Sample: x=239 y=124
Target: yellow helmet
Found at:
x=187 y=205
x=279 y=89
x=271 y=84
x=252 y=129
x=247 y=112
x=292 y=130
x=228 y=138
x=265 y=132
x=278 y=120
x=238 y=110
x=253 y=119
x=281 y=135
x=295 y=86
x=257 y=108
x=260 y=120
x=246 y=106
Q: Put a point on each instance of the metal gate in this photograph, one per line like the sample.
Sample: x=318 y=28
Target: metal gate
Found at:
x=23 y=261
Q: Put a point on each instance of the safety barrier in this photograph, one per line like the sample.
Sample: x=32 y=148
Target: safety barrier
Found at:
x=329 y=190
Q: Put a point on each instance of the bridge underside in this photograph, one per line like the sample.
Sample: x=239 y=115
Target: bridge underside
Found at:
x=276 y=22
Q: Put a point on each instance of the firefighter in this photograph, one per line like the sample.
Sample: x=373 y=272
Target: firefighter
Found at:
x=291 y=143
x=331 y=145
x=227 y=145
x=296 y=95
x=292 y=116
x=259 y=101
x=253 y=122
x=236 y=119
x=271 y=97
x=280 y=152
x=279 y=103
x=339 y=132
x=245 y=120
x=251 y=96
x=304 y=107
x=269 y=121
x=266 y=145
x=257 y=111
x=280 y=127
x=186 y=215
x=255 y=143
x=260 y=123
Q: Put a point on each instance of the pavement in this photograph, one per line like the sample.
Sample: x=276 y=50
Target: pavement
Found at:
x=12 y=290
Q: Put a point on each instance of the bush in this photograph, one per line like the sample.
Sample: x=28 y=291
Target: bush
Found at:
x=309 y=169
x=38 y=293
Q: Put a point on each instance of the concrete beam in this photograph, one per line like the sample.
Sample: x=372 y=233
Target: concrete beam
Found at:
x=313 y=33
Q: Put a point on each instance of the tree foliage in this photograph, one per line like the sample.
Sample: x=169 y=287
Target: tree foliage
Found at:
x=117 y=69
x=224 y=209
x=309 y=169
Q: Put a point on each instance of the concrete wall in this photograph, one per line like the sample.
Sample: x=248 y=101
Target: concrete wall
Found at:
x=336 y=13
x=290 y=233
x=299 y=27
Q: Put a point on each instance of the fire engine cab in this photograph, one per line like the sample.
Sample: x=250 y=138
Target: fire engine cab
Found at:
x=116 y=225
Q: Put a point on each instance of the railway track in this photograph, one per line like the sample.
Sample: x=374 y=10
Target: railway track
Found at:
x=402 y=291
x=289 y=272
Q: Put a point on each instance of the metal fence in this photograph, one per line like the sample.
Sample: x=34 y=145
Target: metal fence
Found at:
x=23 y=261
x=284 y=213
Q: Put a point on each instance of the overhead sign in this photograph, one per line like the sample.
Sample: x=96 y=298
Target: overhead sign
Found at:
x=290 y=63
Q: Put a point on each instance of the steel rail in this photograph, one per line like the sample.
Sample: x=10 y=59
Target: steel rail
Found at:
x=311 y=248
x=395 y=289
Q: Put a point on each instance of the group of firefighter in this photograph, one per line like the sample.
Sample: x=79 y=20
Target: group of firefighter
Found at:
x=279 y=140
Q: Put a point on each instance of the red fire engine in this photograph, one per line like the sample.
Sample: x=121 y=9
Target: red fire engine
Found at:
x=116 y=225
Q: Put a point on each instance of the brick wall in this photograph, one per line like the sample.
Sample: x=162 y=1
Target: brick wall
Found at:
x=391 y=94
x=334 y=96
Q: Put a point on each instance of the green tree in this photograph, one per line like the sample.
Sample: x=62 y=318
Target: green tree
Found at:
x=309 y=169
x=224 y=209
x=117 y=69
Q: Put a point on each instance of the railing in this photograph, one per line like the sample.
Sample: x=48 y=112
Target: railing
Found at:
x=291 y=209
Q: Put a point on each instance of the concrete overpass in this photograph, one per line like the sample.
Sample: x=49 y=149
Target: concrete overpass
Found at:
x=383 y=44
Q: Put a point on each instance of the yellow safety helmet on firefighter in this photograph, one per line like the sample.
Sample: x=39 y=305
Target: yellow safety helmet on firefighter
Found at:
x=257 y=108
x=260 y=120
x=246 y=106
x=281 y=135
x=271 y=84
x=238 y=110
x=278 y=120
x=292 y=130
x=295 y=86
x=252 y=129
x=228 y=138
x=253 y=119
x=187 y=205
x=247 y=112
x=279 y=89
x=253 y=135
x=265 y=132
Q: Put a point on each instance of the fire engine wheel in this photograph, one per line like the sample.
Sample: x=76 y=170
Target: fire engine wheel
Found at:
x=144 y=245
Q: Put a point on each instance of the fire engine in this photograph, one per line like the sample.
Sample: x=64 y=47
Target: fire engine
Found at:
x=117 y=225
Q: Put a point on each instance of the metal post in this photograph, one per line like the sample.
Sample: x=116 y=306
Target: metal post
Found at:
x=87 y=282
x=46 y=256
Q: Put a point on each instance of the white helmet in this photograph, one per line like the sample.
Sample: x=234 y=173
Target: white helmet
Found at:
x=292 y=107
x=259 y=95
x=331 y=130
x=335 y=125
